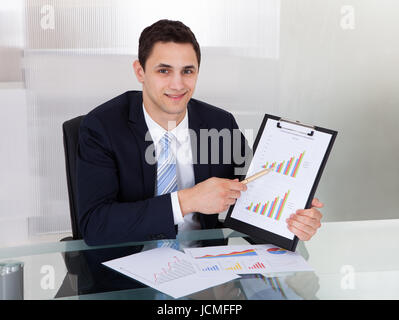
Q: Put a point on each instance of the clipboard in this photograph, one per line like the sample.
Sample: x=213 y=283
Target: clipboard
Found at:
x=298 y=154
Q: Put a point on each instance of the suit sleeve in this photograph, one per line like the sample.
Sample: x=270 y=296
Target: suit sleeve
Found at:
x=102 y=218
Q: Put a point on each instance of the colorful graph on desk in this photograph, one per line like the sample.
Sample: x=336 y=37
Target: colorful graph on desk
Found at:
x=175 y=269
x=211 y=268
x=236 y=267
x=249 y=252
x=289 y=168
x=257 y=265
x=271 y=209
x=276 y=251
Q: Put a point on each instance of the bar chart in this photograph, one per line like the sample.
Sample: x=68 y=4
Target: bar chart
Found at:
x=214 y=267
x=257 y=266
x=271 y=209
x=231 y=259
x=175 y=269
x=268 y=258
x=236 y=266
x=242 y=265
x=289 y=167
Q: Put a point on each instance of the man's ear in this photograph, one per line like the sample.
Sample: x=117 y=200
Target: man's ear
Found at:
x=138 y=70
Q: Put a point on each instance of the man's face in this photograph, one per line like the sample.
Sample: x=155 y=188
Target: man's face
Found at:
x=169 y=79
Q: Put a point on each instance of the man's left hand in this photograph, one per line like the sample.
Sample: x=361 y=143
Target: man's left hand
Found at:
x=304 y=223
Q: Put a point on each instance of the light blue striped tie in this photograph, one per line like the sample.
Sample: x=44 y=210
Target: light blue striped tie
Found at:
x=166 y=178
x=166 y=170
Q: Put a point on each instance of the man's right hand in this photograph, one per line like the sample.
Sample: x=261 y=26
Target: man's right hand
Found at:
x=211 y=196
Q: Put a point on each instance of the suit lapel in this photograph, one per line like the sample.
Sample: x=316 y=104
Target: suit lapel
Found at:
x=139 y=129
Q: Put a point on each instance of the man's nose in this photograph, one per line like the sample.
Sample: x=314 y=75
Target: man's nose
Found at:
x=176 y=82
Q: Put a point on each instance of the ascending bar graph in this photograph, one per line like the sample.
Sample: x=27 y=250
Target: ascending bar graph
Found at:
x=289 y=168
x=235 y=267
x=258 y=265
x=211 y=268
x=174 y=270
x=270 y=209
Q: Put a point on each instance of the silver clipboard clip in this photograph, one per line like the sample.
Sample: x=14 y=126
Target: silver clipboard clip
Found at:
x=296 y=123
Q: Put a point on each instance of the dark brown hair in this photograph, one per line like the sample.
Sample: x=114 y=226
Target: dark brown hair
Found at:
x=166 y=31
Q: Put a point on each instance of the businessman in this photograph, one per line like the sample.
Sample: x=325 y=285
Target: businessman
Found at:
x=145 y=170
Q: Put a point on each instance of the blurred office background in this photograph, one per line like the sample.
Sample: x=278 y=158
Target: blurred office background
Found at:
x=330 y=63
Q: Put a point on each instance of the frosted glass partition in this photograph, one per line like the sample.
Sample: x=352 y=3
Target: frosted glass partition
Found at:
x=340 y=69
x=333 y=64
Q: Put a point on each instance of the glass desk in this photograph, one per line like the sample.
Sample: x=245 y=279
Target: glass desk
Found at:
x=352 y=260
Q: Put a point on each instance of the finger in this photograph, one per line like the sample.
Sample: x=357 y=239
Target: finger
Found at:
x=316 y=203
x=226 y=207
x=299 y=233
x=301 y=226
x=236 y=185
x=229 y=201
x=312 y=213
x=234 y=194
x=313 y=223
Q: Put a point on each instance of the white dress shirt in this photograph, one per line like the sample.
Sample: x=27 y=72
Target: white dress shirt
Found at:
x=181 y=148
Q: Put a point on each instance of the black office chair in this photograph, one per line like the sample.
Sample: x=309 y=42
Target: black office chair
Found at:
x=70 y=131
x=85 y=272
x=75 y=262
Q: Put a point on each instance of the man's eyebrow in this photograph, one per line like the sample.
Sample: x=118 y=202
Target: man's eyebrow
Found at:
x=189 y=67
x=164 y=65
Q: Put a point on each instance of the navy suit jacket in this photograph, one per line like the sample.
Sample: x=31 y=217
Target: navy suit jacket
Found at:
x=116 y=185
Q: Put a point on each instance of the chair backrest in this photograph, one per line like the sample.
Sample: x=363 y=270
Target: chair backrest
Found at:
x=70 y=131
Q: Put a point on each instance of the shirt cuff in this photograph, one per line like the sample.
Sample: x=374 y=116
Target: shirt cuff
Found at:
x=177 y=215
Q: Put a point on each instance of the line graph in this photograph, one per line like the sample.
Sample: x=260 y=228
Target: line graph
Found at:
x=248 y=252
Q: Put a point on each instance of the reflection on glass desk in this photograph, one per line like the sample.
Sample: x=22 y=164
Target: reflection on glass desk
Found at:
x=352 y=260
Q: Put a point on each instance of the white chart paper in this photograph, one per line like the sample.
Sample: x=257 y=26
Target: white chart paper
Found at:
x=167 y=270
x=296 y=159
x=246 y=259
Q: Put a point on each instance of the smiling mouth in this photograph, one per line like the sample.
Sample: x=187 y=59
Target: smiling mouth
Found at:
x=175 y=96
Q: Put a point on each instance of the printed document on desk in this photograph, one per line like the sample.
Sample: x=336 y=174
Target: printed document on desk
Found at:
x=167 y=270
x=246 y=259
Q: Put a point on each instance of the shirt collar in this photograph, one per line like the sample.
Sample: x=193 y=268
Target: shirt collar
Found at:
x=181 y=132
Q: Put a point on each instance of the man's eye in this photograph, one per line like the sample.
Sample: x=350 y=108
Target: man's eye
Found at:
x=163 y=71
x=188 y=71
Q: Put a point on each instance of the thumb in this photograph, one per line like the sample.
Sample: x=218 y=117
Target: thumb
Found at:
x=316 y=203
